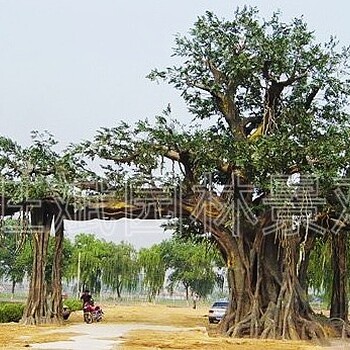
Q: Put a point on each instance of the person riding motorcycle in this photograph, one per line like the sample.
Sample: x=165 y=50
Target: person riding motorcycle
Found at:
x=91 y=312
x=86 y=297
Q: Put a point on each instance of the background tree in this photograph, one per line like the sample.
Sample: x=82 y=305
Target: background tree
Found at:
x=191 y=264
x=153 y=267
x=121 y=270
x=15 y=253
x=89 y=256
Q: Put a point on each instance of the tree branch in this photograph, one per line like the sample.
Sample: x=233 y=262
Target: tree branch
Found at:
x=311 y=97
x=219 y=76
x=293 y=79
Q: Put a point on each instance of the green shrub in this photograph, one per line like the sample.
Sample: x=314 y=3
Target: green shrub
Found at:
x=73 y=304
x=11 y=312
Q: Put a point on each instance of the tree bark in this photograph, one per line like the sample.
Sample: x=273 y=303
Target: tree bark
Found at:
x=56 y=302
x=36 y=310
x=187 y=293
x=339 y=301
x=306 y=248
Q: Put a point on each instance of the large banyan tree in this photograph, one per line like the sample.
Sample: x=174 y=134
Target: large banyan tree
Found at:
x=261 y=165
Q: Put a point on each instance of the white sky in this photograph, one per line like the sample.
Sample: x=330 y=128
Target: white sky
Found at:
x=140 y=233
x=72 y=66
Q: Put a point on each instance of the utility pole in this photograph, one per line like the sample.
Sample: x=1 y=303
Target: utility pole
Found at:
x=78 y=275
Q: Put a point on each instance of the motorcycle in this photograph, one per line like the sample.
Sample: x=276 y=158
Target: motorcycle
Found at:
x=92 y=313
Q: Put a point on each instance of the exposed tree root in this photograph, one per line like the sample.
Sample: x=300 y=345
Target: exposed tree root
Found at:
x=265 y=327
x=340 y=326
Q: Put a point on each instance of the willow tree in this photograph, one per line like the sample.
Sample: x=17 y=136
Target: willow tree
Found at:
x=153 y=270
x=328 y=273
x=121 y=269
x=90 y=255
x=257 y=165
x=36 y=186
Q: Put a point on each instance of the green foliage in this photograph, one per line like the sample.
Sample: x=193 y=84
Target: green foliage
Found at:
x=73 y=304
x=37 y=171
x=240 y=60
x=11 y=312
x=321 y=268
x=320 y=272
x=154 y=268
x=192 y=264
x=15 y=252
x=121 y=269
x=113 y=265
x=91 y=253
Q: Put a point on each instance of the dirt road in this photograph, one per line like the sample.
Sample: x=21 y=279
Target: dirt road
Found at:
x=97 y=336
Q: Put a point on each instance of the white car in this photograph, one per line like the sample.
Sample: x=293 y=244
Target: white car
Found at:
x=217 y=311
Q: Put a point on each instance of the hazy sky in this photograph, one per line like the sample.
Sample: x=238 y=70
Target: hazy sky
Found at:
x=72 y=66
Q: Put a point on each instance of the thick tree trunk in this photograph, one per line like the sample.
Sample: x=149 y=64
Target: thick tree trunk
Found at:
x=56 y=303
x=339 y=302
x=266 y=298
x=36 y=310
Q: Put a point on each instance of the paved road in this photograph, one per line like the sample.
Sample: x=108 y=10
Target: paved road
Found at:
x=338 y=345
x=103 y=336
x=96 y=336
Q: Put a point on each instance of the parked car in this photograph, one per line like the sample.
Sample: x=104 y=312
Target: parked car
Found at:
x=217 y=311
